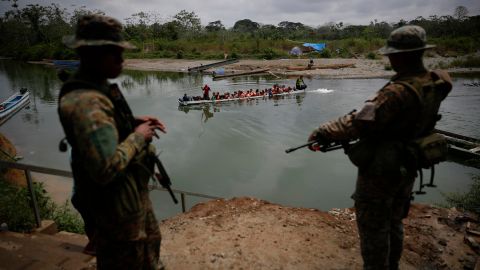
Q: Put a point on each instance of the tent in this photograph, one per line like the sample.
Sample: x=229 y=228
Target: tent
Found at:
x=316 y=46
x=296 y=51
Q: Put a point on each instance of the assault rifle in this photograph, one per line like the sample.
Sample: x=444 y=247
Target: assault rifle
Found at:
x=163 y=178
x=324 y=147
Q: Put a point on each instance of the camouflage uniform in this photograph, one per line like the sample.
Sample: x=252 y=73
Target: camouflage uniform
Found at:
x=110 y=164
x=386 y=168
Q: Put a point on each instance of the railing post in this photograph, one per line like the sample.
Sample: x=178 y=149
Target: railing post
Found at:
x=33 y=198
x=182 y=197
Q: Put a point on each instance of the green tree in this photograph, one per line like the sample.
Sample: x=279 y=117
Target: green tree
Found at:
x=460 y=13
x=215 y=26
x=246 y=26
x=188 y=22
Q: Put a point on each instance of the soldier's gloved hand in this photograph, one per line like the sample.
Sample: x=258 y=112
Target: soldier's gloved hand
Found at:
x=318 y=138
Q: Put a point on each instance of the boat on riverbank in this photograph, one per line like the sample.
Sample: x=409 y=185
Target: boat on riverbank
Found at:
x=462 y=147
x=13 y=104
x=203 y=101
x=69 y=64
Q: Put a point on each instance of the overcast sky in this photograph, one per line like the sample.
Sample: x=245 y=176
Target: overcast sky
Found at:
x=309 y=12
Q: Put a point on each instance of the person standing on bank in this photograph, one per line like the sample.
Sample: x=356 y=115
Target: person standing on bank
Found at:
x=404 y=110
x=111 y=150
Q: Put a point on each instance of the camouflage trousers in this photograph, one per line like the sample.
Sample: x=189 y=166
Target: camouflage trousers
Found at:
x=381 y=232
x=144 y=255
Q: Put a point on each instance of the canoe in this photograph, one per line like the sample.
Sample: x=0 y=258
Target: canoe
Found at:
x=13 y=104
x=251 y=72
x=72 y=64
x=197 y=102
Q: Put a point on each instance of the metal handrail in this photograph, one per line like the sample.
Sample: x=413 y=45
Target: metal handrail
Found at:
x=27 y=168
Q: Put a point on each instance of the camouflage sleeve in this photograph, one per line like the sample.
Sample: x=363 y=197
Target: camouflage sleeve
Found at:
x=97 y=134
x=376 y=114
x=340 y=129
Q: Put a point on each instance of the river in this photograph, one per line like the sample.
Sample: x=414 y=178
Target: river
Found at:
x=236 y=149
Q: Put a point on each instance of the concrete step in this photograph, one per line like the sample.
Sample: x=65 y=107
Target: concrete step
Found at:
x=40 y=251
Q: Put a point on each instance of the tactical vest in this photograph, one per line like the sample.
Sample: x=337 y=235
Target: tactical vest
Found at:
x=395 y=148
x=428 y=148
x=429 y=95
x=124 y=119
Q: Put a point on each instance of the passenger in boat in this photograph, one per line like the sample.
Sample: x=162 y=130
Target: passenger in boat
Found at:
x=270 y=92
x=111 y=156
x=389 y=126
x=300 y=84
x=186 y=98
x=206 y=91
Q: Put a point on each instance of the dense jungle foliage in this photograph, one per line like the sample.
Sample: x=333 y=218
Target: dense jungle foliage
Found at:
x=35 y=32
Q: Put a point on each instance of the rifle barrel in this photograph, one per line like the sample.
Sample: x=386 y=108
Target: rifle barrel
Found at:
x=300 y=146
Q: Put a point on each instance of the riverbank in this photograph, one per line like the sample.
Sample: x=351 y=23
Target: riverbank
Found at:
x=323 y=68
x=248 y=233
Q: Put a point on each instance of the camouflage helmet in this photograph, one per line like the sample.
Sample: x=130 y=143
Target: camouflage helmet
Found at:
x=406 y=39
x=97 y=30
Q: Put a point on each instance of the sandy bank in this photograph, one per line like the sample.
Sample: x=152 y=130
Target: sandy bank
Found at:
x=362 y=68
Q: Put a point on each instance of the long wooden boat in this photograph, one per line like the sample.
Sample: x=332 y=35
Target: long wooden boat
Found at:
x=212 y=65
x=462 y=146
x=66 y=63
x=197 y=102
x=13 y=104
x=256 y=71
x=332 y=66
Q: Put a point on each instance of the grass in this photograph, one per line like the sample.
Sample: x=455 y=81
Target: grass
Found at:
x=469 y=201
x=16 y=212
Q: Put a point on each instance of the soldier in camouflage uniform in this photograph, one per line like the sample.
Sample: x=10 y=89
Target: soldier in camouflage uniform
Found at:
x=398 y=114
x=111 y=153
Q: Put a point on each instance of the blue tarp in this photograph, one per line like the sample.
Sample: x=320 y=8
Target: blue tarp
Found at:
x=316 y=46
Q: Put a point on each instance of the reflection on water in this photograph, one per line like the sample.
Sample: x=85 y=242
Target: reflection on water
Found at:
x=207 y=110
x=235 y=148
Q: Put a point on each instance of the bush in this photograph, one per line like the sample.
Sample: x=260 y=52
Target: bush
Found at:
x=371 y=55
x=38 y=52
x=180 y=54
x=233 y=55
x=268 y=54
x=15 y=209
x=469 y=201
x=326 y=53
